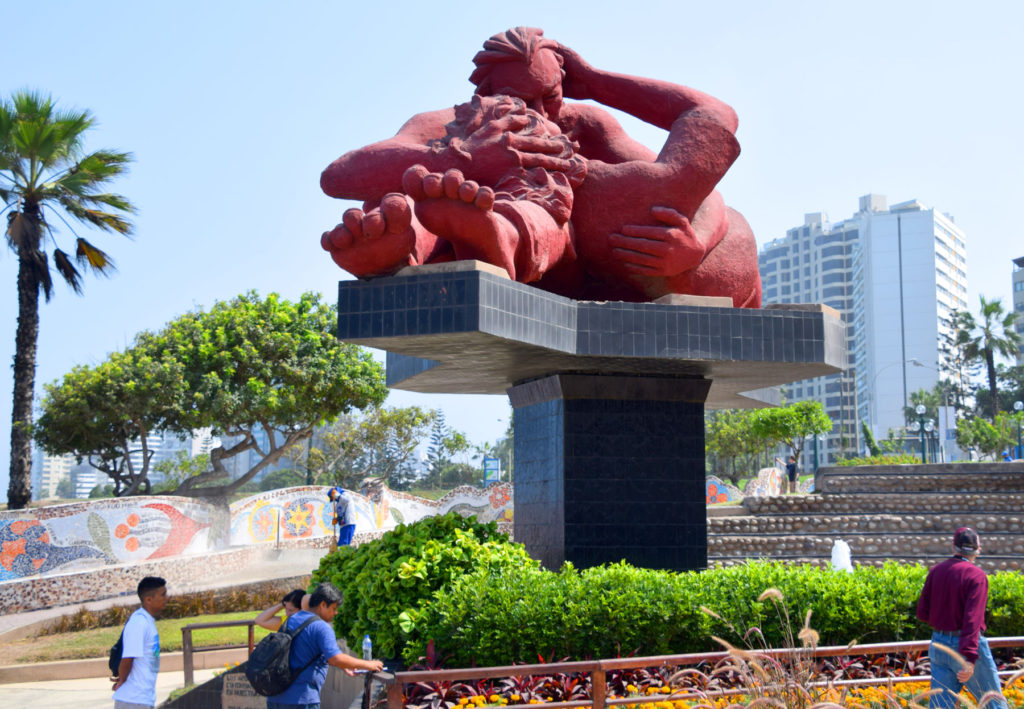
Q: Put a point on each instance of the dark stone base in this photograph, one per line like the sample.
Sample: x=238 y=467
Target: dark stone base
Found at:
x=611 y=468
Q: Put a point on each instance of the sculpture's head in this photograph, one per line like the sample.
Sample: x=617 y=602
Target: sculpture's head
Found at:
x=521 y=63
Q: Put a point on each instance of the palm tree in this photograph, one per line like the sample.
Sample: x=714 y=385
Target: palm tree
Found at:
x=993 y=333
x=45 y=173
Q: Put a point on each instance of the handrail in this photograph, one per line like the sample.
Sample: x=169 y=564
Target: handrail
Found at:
x=187 y=648
x=599 y=668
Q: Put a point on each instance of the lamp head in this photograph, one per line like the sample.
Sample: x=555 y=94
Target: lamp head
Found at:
x=920 y=409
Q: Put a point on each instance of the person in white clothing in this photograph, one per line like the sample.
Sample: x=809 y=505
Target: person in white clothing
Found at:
x=135 y=684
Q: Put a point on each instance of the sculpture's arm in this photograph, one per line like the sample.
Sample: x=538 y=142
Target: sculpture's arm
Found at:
x=371 y=172
x=657 y=102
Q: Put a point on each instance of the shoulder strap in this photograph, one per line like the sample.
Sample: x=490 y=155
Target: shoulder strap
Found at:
x=294 y=634
x=298 y=630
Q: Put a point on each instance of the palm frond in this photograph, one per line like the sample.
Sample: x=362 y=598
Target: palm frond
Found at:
x=67 y=270
x=23 y=232
x=96 y=217
x=98 y=260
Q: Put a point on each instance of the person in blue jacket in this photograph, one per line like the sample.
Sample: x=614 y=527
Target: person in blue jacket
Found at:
x=344 y=514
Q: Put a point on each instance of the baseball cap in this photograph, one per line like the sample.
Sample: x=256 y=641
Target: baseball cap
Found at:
x=966 y=540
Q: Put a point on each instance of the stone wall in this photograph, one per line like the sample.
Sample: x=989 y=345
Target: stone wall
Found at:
x=1007 y=503
x=183 y=574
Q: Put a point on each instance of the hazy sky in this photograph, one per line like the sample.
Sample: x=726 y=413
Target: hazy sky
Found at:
x=232 y=109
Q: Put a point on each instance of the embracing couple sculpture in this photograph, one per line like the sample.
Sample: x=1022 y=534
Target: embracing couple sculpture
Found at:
x=555 y=193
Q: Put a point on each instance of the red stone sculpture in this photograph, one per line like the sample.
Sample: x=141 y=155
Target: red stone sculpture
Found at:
x=556 y=193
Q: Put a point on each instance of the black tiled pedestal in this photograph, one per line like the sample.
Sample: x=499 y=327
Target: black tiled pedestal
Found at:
x=609 y=397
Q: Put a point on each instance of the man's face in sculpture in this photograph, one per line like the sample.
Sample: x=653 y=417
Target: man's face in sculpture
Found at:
x=538 y=83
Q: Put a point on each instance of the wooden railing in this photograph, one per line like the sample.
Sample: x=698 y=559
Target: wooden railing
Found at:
x=598 y=670
x=188 y=649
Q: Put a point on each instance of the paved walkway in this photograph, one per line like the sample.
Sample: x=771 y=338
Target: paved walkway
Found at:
x=84 y=693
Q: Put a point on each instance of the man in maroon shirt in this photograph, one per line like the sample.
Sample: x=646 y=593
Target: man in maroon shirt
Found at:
x=953 y=603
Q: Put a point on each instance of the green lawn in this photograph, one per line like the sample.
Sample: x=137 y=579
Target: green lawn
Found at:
x=97 y=642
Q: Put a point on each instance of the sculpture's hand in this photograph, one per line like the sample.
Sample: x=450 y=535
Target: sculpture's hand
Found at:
x=578 y=73
x=659 y=250
x=495 y=149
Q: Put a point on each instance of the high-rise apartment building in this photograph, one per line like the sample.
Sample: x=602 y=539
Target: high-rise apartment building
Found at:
x=896 y=275
x=1018 y=300
x=47 y=472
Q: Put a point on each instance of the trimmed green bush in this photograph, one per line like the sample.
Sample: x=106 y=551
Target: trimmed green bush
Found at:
x=500 y=616
x=388 y=583
x=883 y=459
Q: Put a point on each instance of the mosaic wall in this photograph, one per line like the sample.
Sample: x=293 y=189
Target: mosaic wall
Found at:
x=98 y=533
x=83 y=535
x=767 y=483
x=297 y=513
x=717 y=491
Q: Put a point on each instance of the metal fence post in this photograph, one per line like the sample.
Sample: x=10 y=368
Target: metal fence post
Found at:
x=186 y=650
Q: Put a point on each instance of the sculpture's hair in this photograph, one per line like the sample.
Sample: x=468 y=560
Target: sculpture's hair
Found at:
x=550 y=189
x=518 y=44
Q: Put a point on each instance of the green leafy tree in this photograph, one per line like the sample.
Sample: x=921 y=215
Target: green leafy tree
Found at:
x=791 y=423
x=45 y=173
x=445 y=444
x=379 y=442
x=989 y=438
x=246 y=365
x=869 y=440
x=992 y=334
x=283 y=477
x=728 y=438
x=956 y=364
x=105 y=413
x=179 y=468
x=66 y=487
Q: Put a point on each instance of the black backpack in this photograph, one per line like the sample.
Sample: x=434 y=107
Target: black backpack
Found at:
x=116 y=650
x=268 y=669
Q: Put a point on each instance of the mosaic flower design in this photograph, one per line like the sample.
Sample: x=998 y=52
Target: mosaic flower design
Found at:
x=262 y=523
x=500 y=496
x=297 y=519
x=715 y=495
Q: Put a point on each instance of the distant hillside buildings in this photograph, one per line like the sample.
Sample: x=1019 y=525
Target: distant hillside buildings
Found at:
x=896 y=275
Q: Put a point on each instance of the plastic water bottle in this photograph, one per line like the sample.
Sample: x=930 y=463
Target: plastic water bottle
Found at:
x=367 y=648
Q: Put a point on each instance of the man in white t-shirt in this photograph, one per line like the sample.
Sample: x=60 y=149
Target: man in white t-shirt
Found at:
x=135 y=684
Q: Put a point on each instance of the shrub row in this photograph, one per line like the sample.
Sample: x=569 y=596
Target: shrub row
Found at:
x=479 y=599
x=497 y=617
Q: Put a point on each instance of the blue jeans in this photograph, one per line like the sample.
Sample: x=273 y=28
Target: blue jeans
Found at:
x=279 y=705
x=345 y=534
x=945 y=666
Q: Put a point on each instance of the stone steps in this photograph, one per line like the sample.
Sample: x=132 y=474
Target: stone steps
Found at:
x=887 y=503
x=772 y=545
x=989 y=564
x=903 y=513
x=864 y=524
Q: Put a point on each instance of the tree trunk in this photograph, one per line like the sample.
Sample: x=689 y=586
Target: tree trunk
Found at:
x=19 y=491
x=991 y=365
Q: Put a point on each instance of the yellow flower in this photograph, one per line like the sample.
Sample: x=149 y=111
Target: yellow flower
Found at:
x=493 y=698
x=515 y=698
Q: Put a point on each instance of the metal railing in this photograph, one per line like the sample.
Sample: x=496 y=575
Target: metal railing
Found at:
x=598 y=670
x=188 y=649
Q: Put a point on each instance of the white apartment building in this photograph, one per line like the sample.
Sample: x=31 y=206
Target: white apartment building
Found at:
x=48 y=471
x=896 y=275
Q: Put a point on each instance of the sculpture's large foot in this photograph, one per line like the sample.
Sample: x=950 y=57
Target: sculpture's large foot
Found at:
x=376 y=242
x=462 y=211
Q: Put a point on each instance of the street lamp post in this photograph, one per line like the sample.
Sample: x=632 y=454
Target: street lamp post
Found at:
x=1018 y=406
x=922 y=426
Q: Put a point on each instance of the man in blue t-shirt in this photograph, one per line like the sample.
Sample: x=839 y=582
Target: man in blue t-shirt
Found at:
x=317 y=647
